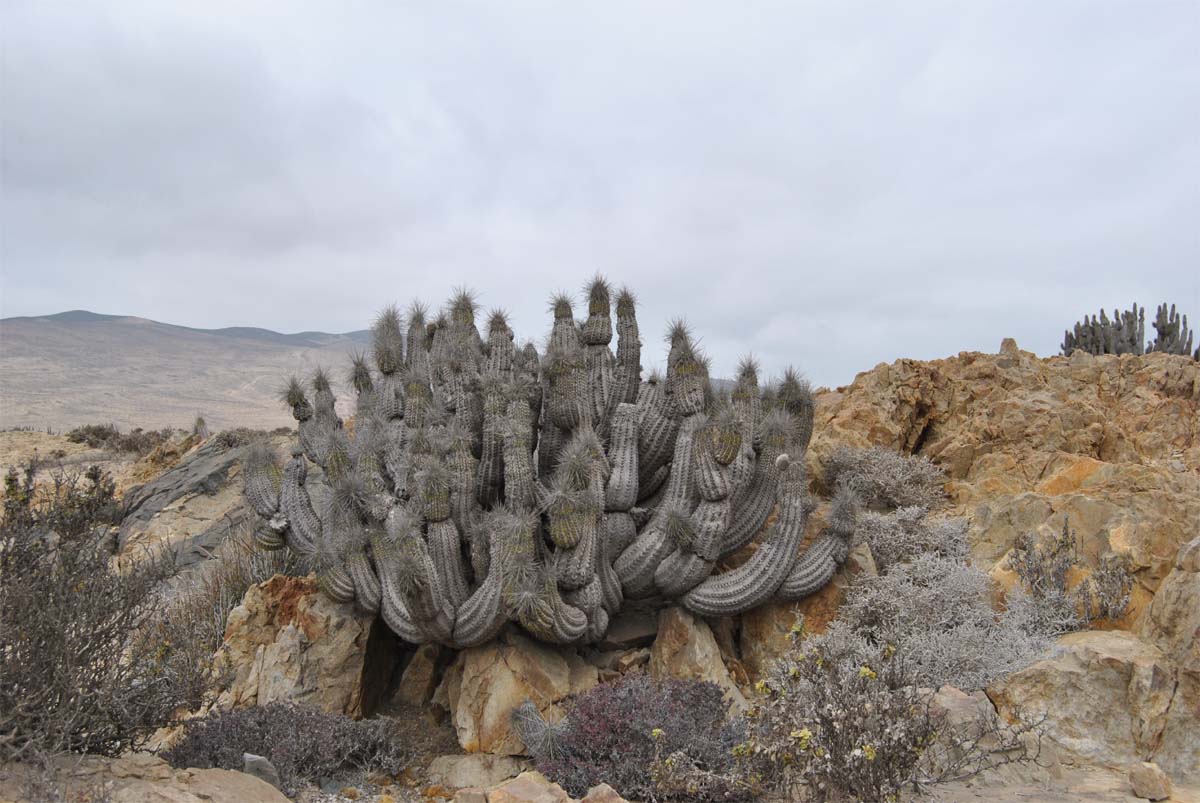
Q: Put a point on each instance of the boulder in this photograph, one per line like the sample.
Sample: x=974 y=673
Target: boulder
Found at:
x=685 y=648
x=262 y=768
x=140 y=777
x=1149 y=782
x=485 y=684
x=473 y=770
x=603 y=793
x=528 y=787
x=1108 y=698
x=288 y=641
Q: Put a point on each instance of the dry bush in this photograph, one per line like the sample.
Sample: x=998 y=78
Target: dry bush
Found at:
x=886 y=479
x=904 y=534
x=77 y=670
x=625 y=732
x=239 y=436
x=1043 y=566
x=302 y=741
x=840 y=718
x=106 y=436
x=938 y=611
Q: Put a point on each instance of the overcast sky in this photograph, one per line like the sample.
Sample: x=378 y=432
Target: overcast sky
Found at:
x=829 y=185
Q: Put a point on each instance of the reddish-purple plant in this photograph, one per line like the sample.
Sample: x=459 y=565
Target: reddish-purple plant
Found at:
x=619 y=733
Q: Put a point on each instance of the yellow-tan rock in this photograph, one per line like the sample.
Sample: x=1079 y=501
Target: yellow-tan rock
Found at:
x=288 y=641
x=1108 y=698
x=685 y=648
x=1110 y=443
x=485 y=684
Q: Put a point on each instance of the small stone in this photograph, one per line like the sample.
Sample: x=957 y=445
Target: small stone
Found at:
x=473 y=770
x=349 y=792
x=633 y=658
x=603 y=793
x=438 y=792
x=473 y=795
x=1149 y=782
x=262 y=768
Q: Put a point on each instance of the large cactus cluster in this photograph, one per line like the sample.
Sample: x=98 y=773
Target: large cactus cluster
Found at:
x=481 y=483
x=1125 y=333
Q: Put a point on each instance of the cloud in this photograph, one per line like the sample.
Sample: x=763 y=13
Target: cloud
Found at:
x=828 y=185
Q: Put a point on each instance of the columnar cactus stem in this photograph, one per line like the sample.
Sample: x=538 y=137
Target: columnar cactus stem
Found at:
x=657 y=428
x=637 y=564
x=629 y=350
x=262 y=479
x=304 y=527
x=757 y=580
x=482 y=615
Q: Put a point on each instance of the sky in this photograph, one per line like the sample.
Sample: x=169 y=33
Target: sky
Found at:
x=828 y=185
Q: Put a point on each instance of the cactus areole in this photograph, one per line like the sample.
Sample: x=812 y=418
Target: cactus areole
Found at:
x=483 y=483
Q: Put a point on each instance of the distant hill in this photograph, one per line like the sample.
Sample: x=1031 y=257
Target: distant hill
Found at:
x=81 y=367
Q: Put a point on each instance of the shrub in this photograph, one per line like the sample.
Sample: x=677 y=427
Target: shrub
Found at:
x=842 y=718
x=108 y=437
x=200 y=428
x=886 y=479
x=77 y=671
x=938 y=611
x=903 y=534
x=240 y=436
x=622 y=733
x=302 y=741
x=1044 y=565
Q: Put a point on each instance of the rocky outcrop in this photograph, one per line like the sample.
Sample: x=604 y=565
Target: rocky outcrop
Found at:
x=485 y=684
x=1111 y=443
x=685 y=648
x=1108 y=698
x=288 y=641
x=191 y=507
x=1173 y=625
x=140 y=777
